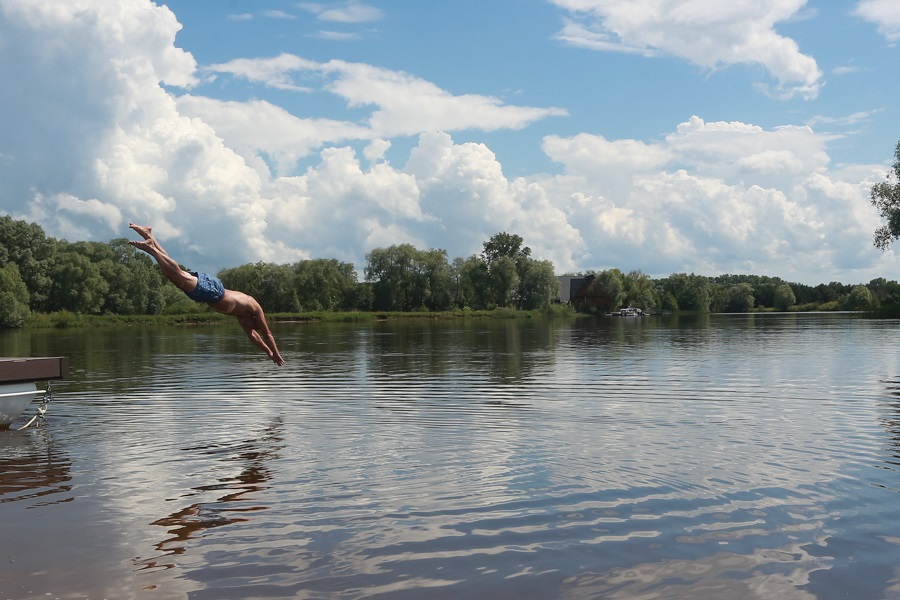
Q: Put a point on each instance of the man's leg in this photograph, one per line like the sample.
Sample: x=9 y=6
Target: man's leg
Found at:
x=185 y=281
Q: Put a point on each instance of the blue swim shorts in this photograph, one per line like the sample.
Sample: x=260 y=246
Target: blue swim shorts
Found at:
x=209 y=289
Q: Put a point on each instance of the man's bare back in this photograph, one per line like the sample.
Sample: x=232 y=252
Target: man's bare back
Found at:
x=205 y=288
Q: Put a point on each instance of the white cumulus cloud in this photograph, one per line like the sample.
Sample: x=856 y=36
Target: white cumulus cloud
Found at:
x=403 y=104
x=708 y=33
x=91 y=139
x=885 y=14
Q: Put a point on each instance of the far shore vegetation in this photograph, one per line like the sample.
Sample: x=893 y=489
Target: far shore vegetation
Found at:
x=64 y=319
x=45 y=282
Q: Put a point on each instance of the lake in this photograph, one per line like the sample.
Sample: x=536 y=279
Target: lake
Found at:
x=721 y=456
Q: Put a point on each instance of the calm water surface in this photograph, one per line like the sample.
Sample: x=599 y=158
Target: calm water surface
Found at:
x=719 y=457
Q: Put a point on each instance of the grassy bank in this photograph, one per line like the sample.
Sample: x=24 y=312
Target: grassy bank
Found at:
x=64 y=319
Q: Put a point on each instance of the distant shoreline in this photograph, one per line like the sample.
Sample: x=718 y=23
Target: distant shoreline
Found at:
x=64 y=319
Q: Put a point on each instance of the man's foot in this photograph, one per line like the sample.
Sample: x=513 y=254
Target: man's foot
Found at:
x=147 y=246
x=145 y=232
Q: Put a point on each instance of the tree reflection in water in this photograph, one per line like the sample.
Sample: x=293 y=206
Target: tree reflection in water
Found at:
x=31 y=468
x=891 y=421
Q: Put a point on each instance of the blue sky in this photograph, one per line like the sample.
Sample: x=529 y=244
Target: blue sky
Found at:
x=659 y=135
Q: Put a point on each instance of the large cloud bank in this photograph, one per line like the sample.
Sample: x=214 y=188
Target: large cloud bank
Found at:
x=105 y=125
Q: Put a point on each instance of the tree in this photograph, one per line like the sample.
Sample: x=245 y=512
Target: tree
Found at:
x=77 y=285
x=640 y=291
x=885 y=196
x=325 y=284
x=397 y=279
x=505 y=260
x=504 y=244
x=504 y=281
x=473 y=283
x=538 y=285
x=607 y=290
x=461 y=293
x=667 y=301
x=25 y=245
x=513 y=277
x=269 y=283
x=884 y=291
x=739 y=298
x=133 y=281
x=274 y=291
x=691 y=292
x=859 y=298
x=504 y=274
x=13 y=298
x=784 y=297
x=438 y=277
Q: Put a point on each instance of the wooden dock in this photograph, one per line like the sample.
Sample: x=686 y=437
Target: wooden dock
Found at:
x=16 y=370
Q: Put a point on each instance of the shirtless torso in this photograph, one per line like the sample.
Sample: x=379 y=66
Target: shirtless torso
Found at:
x=251 y=318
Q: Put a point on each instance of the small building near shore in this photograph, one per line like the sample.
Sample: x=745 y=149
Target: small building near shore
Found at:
x=569 y=286
x=583 y=296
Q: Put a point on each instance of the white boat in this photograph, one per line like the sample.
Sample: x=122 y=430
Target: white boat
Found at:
x=14 y=399
x=17 y=383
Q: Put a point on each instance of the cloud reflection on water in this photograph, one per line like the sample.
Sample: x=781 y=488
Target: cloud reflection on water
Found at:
x=744 y=458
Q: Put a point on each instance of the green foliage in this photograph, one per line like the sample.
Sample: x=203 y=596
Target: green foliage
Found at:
x=504 y=245
x=84 y=277
x=309 y=285
x=783 y=297
x=859 y=298
x=77 y=284
x=325 y=284
x=885 y=196
x=884 y=292
x=691 y=292
x=404 y=278
x=739 y=298
x=667 y=300
x=473 y=284
x=134 y=285
x=558 y=310
x=607 y=290
x=13 y=298
x=270 y=284
x=175 y=302
x=63 y=319
x=509 y=277
x=26 y=246
x=509 y=313
x=538 y=285
x=79 y=281
x=503 y=280
x=640 y=291
x=503 y=276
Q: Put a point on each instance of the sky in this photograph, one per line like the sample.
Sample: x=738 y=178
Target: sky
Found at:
x=664 y=136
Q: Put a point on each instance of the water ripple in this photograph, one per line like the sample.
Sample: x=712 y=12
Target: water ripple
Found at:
x=745 y=457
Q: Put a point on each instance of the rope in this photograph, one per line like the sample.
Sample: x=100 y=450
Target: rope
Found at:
x=42 y=409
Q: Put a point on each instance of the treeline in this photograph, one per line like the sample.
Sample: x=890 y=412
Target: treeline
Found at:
x=611 y=289
x=404 y=278
x=44 y=275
